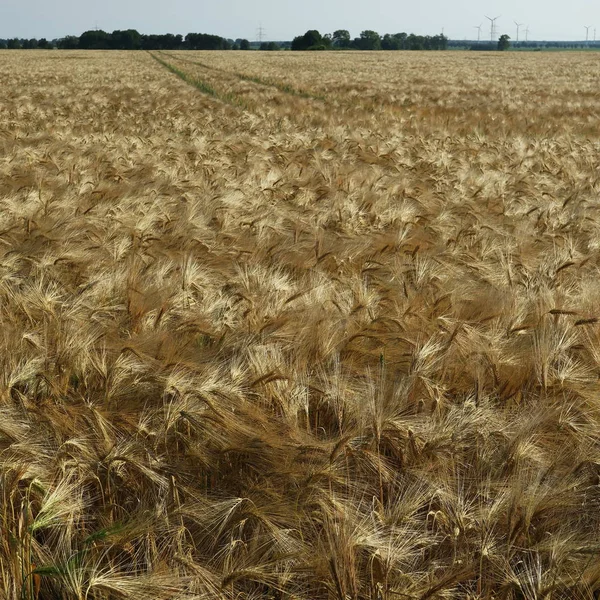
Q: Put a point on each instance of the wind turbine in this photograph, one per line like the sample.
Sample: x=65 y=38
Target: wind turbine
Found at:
x=527 y=33
x=518 y=25
x=478 y=27
x=492 y=26
x=587 y=32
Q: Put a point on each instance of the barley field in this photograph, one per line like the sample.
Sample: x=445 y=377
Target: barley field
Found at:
x=299 y=326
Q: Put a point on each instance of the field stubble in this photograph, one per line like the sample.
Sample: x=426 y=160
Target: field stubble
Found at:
x=327 y=330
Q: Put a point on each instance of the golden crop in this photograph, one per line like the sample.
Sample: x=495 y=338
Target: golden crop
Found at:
x=299 y=326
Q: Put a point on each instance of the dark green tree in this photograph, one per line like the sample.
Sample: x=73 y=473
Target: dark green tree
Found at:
x=311 y=40
x=341 y=38
x=272 y=46
x=171 y=41
x=439 y=42
x=205 y=41
x=244 y=45
x=504 y=42
x=368 y=40
x=14 y=44
x=70 y=42
x=129 y=39
x=390 y=42
x=415 y=42
x=151 y=42
x=166 y=41
x=398 y=40
x=95 y=40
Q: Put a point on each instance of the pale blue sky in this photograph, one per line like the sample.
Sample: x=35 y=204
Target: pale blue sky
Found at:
x=283 y=19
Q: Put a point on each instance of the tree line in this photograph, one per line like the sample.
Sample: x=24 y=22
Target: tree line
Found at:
x=368 y=40
x=533 y=45
x=130 y=39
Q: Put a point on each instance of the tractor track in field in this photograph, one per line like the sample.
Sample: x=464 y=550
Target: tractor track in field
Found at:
x=359 y=112
x=200 y=84
x=286 y=88
x=252 y=104
x=300 y=111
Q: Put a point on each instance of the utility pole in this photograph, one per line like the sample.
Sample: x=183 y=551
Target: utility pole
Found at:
x=492 y=26
x=260 y=33
x=518 y=25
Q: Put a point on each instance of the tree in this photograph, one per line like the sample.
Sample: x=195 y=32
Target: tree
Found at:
x=129 y=39
x=172 y=42
x=270 y=46
x=504 y=42
x=394 y=41
x=95 y=40
x=70 y=42
x=311 y=40
x=205 y=41
x=13 y=44
x=439 y=42
x=166 y=41
x=44 y=43
x=341 y=38
x=244 y=45
x=415 y=42
x=483 y=47
x=390 y=42
x=368 y=40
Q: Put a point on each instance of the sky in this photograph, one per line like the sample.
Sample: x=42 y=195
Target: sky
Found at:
x=284 y=19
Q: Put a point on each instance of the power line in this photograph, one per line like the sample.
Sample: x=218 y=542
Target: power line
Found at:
x=260 y=33
x=492 y=26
